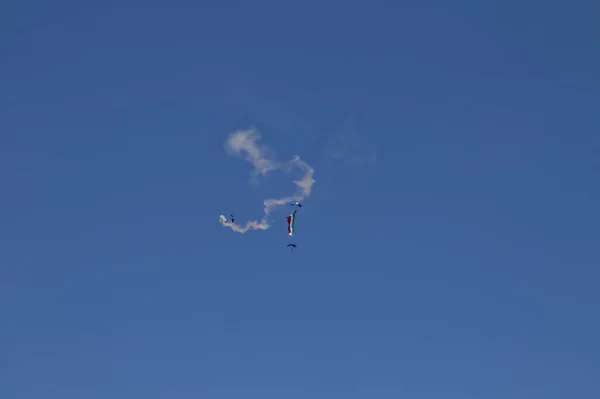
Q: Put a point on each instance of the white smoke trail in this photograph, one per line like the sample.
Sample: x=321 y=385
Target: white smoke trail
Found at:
x=252 y=225
x=261 y=158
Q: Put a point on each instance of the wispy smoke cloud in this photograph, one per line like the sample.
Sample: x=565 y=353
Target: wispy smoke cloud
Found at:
x=349 y=148
x=244 y=142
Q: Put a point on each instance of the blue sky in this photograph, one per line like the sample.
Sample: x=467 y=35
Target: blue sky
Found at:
x=449 y=247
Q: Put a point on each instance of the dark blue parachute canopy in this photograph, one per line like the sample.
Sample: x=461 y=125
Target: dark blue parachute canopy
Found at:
x=296 y=203
x=292 y=245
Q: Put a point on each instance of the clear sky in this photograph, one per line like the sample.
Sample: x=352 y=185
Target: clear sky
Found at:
x=449 y=248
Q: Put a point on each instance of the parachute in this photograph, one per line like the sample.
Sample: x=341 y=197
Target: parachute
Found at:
x=296 y=203
x=292 y=246
x=225 y=222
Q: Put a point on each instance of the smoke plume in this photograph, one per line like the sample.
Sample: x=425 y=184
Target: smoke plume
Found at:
x=245 y=143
